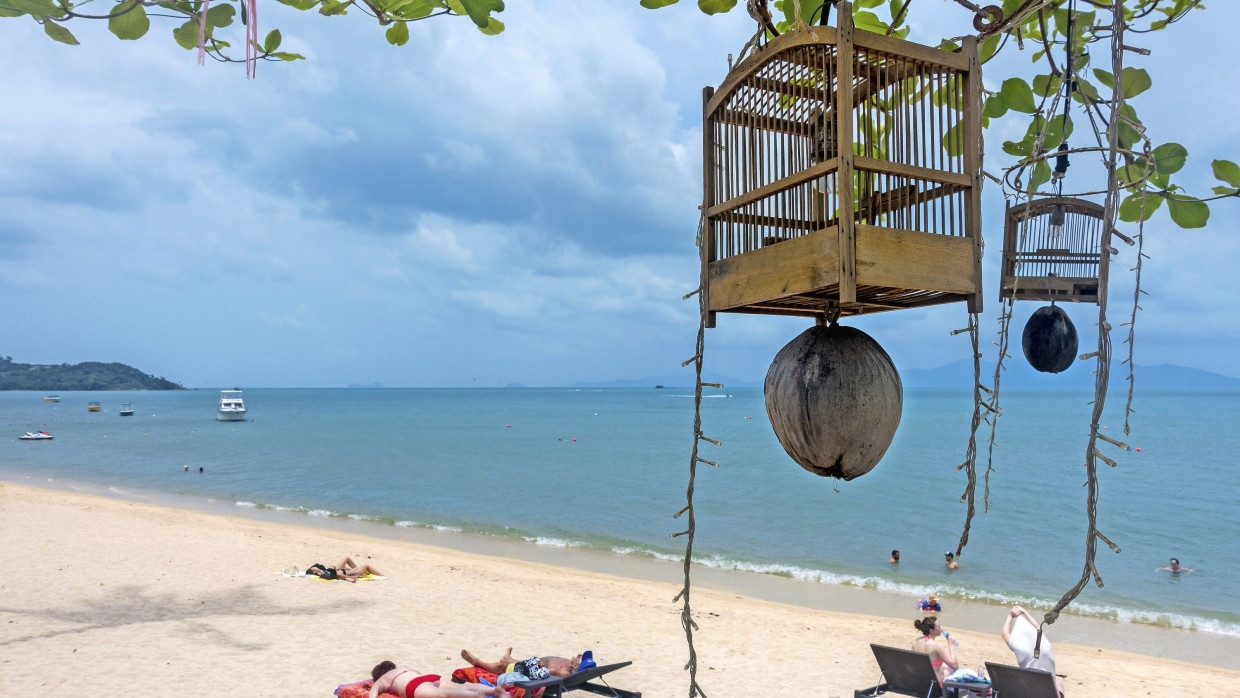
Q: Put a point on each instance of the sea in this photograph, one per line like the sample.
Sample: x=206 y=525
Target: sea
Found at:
x=604 y=470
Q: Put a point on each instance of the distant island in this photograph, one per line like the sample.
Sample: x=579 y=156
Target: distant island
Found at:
x=91 y=375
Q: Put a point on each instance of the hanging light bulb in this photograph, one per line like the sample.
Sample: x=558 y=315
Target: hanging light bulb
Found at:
x=1057 y=219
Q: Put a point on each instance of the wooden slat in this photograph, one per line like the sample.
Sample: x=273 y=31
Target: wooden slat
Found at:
x=844 y=135
x=792 y=267
x=900 y=169
x=973 y=163
x=746 y=119
x=820 y=170
x=908 y=49
x=706 y=246
x=913 y=260
x=798 y=224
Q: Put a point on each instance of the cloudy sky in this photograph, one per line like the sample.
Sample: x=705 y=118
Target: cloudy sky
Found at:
x=470 y=210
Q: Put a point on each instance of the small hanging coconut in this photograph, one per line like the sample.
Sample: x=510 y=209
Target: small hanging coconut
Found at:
x=834 y=399
x=1049 y=340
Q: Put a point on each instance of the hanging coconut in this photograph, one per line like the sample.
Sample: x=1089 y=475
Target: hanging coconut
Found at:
x=1049 y=340
x=834 y=399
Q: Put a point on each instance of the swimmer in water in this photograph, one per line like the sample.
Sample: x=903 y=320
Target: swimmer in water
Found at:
x=1174 y=567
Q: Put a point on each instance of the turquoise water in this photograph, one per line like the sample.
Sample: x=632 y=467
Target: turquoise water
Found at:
x=607 y=468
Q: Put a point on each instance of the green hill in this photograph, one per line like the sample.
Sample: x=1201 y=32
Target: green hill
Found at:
x=91 y=375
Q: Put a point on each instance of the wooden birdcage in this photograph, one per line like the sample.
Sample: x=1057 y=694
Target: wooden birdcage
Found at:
x=1052 y=250
x=842 y=168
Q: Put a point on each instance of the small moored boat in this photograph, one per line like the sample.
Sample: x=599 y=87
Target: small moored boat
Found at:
x=51 y=398
x=36 y=436
x=126 y=410
x=232 y=407
x=94 y=407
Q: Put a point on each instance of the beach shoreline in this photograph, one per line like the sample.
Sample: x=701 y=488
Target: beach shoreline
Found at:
x=123 y=572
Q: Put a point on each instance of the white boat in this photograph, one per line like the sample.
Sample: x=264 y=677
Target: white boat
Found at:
x=126 y=410
x=232 y=407
x=52 y=398
x=36 y=436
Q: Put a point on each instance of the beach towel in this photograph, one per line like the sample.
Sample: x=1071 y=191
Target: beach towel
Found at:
x=472 y=674
x=1024 y=636
x=359 y=689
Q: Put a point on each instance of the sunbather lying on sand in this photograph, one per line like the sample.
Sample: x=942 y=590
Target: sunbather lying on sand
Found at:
x=556 y=666
x=346 y=569
x=410 y=683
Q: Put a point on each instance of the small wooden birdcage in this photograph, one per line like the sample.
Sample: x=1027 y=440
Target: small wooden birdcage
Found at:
x=842 y=168
x=1052 y=250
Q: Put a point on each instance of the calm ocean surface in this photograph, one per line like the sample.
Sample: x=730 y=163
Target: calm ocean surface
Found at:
x=606 y=469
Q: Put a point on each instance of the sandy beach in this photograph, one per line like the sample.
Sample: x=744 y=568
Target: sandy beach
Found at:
x=108 y=596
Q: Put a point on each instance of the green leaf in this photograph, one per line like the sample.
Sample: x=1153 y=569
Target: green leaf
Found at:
x=867 y=21
x=221 y=15
x=493 y=27
x=1018 y=96
x=130 y=25
x=1105 y=78
x=39 y=9
x=59 y=33
x=299 y=4
x=1226 y=191
x=867 y=3
x=1020 y=149
x=1188 y=212
x=995 y=107
x=398 y=34
x=1169 y=158
x=186 y=35
x=1227 y=171
x=479 y=11
x=328 y=8
x=656 y=4
x=1134 y=81
x=953 y=140
x=1046 y=85
x=987 y=49
x=272 y=41
x=1131 y=211
x=715 y=7
x=281 y=55
x=1041 y=175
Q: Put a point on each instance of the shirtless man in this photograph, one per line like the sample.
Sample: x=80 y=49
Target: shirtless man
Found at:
x=1174 y=567
x=409 y=683
x=951 y=561
x=558 y=666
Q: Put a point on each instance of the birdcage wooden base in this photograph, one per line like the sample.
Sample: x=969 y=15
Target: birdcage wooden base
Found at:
x=1038 y=288
x=799 y=276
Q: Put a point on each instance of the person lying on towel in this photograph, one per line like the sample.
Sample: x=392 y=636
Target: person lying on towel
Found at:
x=410 y=683
x=530 y=668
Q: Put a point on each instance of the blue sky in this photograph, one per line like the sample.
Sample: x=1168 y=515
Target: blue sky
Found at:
x=470 y=210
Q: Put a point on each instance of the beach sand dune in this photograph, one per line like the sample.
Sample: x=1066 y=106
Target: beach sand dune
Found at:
x=111 y=597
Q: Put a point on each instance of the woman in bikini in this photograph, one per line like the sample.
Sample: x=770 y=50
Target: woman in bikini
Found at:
x=943 y=657
x=346 y=569
x=410 y=683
